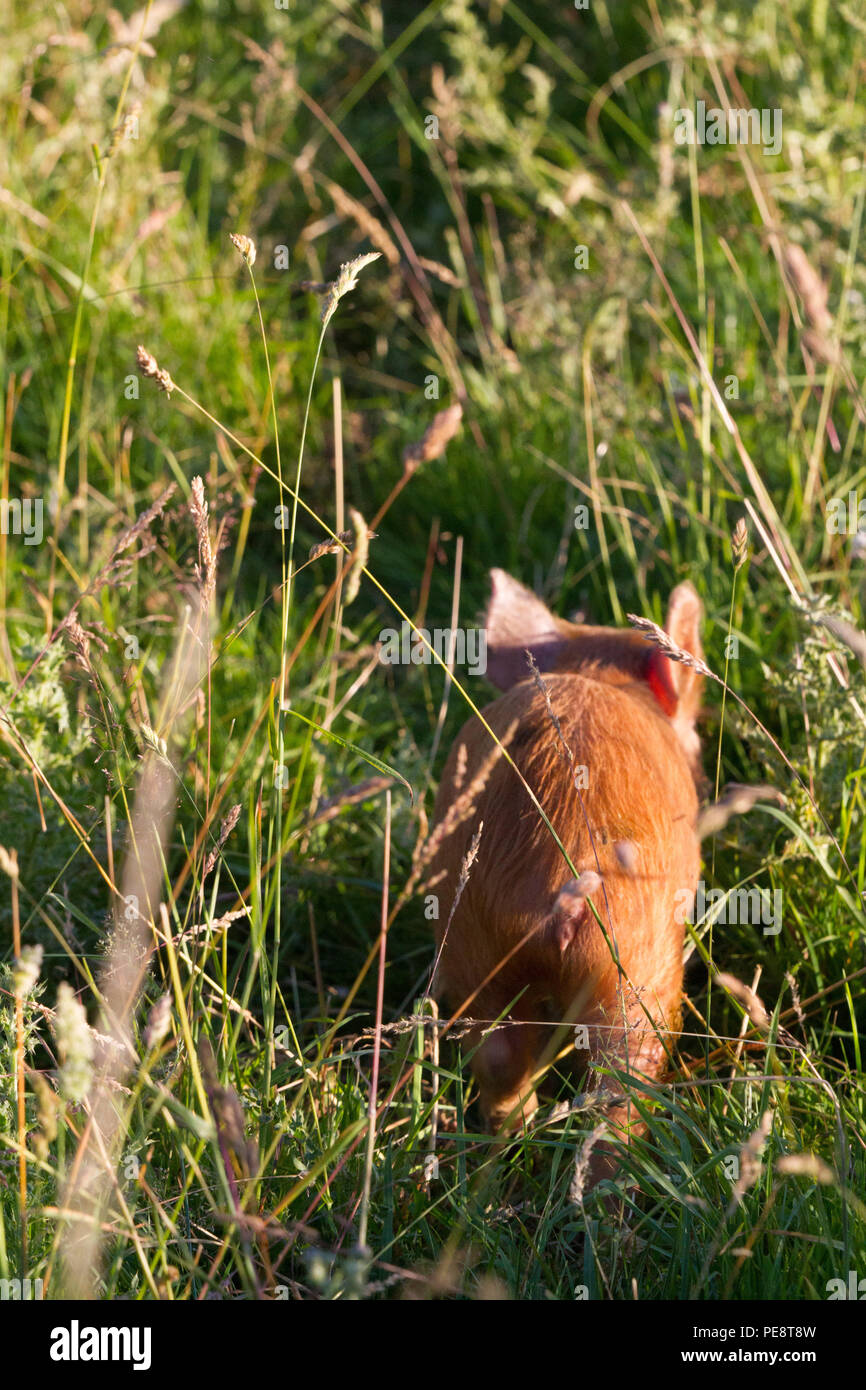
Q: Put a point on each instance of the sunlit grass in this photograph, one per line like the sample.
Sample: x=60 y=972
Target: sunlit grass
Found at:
x=251 y=1158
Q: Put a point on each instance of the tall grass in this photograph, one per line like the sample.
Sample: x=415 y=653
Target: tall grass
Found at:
x=251 y=1034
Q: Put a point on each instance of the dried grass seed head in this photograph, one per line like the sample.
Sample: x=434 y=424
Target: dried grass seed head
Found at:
x=740 y=543
x=659 y=638
x=333 y=547
x=158 y=1022
x=226 y=829
x=149 y=367
x=246 y=246
x=439 y=433
x=360 y=555
x=346 y=281
x=206 y=568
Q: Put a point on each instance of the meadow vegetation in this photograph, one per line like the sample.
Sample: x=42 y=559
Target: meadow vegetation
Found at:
x=654 y=346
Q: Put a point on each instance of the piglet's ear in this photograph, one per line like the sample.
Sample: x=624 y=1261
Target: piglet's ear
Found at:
x=676 y=686
x=683 y=626
x=518 y=621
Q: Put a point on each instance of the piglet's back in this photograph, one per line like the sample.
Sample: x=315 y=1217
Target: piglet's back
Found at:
x=625 y=807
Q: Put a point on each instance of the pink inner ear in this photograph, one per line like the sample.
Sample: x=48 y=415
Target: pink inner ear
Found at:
x=567 y=920
x=659 y=678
